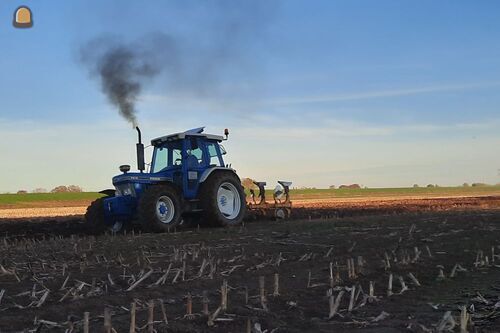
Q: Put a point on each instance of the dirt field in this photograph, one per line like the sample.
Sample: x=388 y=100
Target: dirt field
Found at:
x=320 y=208
x=52 y=271
x=314 y=206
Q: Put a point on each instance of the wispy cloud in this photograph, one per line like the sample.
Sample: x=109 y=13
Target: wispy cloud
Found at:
x=331 y=128
x=379 y=94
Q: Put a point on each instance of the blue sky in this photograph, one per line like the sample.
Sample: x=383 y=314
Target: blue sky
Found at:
x=382 y=93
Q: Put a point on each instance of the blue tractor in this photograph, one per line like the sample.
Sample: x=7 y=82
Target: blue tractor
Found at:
x=187 y=181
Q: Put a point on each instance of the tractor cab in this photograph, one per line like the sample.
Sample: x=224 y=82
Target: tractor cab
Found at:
x=186 y=158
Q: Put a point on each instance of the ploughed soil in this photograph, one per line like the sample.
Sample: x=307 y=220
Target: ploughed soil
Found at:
x=53 y=271
x=336 y=205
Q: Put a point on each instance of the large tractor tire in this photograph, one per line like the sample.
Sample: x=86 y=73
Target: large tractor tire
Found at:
x=94 y=217
x=160 y=208
x=223 y=199
x=96 y=221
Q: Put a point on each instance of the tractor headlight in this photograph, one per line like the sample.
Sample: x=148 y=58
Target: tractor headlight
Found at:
x=118 y=192
x=129 y=190
x=125 y=189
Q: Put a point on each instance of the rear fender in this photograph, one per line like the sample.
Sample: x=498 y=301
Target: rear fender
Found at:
x=108 y=192
x=208 y=172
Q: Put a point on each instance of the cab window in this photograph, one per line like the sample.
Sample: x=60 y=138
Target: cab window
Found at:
x=166 y=156
x=212 y=154
x=195 y=156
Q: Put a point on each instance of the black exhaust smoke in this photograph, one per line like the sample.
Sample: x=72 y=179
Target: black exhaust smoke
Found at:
x=193 y=66
x=122 y=69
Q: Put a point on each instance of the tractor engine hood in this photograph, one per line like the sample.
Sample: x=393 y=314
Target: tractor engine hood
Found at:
x=132 y=184
x=136 y=177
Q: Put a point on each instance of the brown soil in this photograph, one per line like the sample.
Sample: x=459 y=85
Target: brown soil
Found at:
x=47 y=204
x=40 y=254
x=355 y=207
x=320 y=206
x=41 y=212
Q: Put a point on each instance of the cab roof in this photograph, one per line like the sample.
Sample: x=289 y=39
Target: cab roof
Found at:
x=180 y=136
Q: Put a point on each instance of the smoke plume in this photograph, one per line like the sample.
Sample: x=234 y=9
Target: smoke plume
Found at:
x=191 y=64
x=123 y=68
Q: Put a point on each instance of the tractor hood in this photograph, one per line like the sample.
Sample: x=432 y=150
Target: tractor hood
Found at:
x=132 y=184
x=136 y=177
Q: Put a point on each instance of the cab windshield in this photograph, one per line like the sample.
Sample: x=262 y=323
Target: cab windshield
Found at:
x=167 y=155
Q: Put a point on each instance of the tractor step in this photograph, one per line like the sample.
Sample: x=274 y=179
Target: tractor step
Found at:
x=194 y=206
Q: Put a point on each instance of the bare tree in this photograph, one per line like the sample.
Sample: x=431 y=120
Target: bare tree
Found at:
x=248 y=183
x=59 y=189
x=74 y=189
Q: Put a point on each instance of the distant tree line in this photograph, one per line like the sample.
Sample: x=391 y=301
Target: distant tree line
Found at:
x=57 y=189
x=463 y=185
x=343 y=186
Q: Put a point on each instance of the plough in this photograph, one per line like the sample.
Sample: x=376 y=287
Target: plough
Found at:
x=280 y=209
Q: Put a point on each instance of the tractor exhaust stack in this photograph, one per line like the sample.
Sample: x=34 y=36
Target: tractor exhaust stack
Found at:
x=140 y=151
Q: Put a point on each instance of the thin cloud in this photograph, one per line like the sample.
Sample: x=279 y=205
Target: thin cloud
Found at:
x=379 y=94
x=352 y=129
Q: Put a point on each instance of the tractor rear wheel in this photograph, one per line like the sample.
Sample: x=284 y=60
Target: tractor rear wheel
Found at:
x=94 y=217
x=223 y=199
x=160 y=208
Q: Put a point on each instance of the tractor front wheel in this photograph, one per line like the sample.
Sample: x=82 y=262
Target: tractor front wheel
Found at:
x=160 y=208
x=223 y=199
x=94 y=217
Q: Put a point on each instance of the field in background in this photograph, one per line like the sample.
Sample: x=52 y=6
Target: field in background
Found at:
x=32 y=200
x=393 y=192
x=47 y=199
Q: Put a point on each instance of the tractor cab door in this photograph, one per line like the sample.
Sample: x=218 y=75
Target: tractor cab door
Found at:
x=194 y=164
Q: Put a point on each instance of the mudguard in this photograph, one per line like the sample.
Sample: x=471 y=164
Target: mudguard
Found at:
x=208 y=172
x=108 y=192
